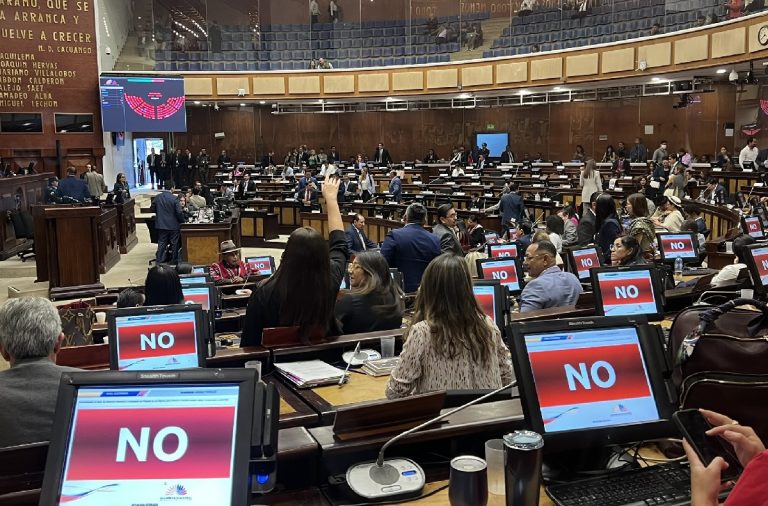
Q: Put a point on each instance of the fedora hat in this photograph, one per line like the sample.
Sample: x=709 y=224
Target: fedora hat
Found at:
x=227 y=247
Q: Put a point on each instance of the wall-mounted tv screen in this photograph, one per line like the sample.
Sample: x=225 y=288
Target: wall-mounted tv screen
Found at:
x=142 y=104
x=73 y=123
x=497 y=142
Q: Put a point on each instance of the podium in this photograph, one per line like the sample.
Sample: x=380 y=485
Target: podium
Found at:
x=73 y=245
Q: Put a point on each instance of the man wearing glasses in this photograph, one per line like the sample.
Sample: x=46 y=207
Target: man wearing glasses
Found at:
x=550 y=287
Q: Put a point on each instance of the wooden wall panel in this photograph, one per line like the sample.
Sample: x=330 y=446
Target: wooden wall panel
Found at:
x=477 y=76
x=406 y=81
x=691 y=49
x=372 y=82
x=655 y=55
x=551 y=68
x=553 y=130
x=198 y=86
x=619 y=60
x=304 y=84
x=268 y=85
x=728 y=43
x=512 y=72
x=338 y=84
x=581 y=65
x=231 y=85
x=447 y=78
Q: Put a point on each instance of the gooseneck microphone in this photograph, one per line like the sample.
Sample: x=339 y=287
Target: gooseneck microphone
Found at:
x=391 y=478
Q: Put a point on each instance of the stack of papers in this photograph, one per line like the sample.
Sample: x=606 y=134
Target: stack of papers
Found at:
x=310 y=373
x=381 y=367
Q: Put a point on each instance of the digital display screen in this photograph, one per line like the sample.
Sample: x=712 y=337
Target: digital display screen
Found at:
x=194 y=280
x=486 y=298
x=156 y=342
x=627 y=293
x=197 y=295
x=491 y=237
x=584 y=260
x=678 y=246
x=158 y=444
x=497 y=142
x=587 y=379
x=260 y=265
x=503 y=250
x=760 y=256
x=505 y=271
x=753 y=227
x=142 y=104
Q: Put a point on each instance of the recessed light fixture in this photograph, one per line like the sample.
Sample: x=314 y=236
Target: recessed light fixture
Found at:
x=464 y=96
x=262 y=102
x=523 y=92
x=722 y=71
x=197 y=102
x=655 y=79
x=242 y=105
x=389 y=99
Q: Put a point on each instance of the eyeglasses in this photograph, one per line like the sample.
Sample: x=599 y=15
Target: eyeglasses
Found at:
x=353 y=266
x=529 y=258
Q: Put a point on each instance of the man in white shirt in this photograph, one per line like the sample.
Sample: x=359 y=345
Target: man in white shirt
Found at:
x=314 y=11
x=749 y=152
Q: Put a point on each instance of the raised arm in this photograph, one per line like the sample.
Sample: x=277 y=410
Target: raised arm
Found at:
x=330 y=193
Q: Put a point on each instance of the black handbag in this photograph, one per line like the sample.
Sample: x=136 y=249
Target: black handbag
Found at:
x=720 y=357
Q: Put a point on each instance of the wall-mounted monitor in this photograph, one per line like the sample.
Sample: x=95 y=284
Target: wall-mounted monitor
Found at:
x=73 y=123
x=497 y=141
x=142 y=104
x=21 y=123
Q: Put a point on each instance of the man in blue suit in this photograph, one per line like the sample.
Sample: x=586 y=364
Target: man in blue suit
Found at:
x=168 y=220
x=412 y=247
x=356 y=239
x=511 y=207
x=74 y=188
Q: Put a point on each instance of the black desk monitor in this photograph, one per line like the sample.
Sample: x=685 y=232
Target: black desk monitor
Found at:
x=397 y=277
x=589 y=382
x=503 y=250
x=581 y=260
x=491 y=238
x=194 y=278
x=263 y=265
x=157 y=338
x=146 y=438
x=201 y=269
x=753 y=226
x=492 y=298
x=757 y=263
x=676 y=245
x=628 y=291
x=508 y=271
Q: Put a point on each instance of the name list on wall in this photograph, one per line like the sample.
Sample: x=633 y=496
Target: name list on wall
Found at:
x=47 y=55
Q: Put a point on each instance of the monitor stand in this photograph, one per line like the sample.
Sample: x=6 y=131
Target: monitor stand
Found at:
x=579 y=464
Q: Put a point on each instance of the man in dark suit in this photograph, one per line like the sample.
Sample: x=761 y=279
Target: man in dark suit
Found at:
x=585 y=232
x=268 y=159
x=511 y=207
x=395 y=186
x=381 y=156
x=308 y=195
x=152 y=163
x=477 y=202
x=246 y=185
x=412 y=247
x=164 y=165
x=179 y=169
x=507 y=156
x=347 y=189
x=484 y=150
x=223 y=159
x=356 y=238
x=444 y=230
x=73 y=188
x=168 y=219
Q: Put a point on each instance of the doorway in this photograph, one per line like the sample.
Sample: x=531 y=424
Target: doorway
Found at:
x=143 y=147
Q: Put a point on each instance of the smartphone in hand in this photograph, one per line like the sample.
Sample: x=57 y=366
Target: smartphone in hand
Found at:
x=693 y=426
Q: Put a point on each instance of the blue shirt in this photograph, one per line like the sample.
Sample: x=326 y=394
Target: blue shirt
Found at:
x=553 y=288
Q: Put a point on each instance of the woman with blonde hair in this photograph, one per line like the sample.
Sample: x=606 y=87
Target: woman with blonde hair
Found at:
x=450 y=343
x=589 y=182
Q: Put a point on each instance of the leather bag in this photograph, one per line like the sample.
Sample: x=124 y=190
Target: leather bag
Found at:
x=720 y=357
x=77 y=323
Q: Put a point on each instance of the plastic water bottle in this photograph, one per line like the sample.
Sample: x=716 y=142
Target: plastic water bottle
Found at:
x=678 y=267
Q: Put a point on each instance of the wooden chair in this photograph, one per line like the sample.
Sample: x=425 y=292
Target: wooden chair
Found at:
x=21 y=473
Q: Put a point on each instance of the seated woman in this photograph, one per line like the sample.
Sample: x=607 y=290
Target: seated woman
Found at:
x=230 y=269
x=556 y=230
x=375 y=302
x=625 y=250
x=641 y=227
x=303 y=291
x=162 y=286
x=451 y=343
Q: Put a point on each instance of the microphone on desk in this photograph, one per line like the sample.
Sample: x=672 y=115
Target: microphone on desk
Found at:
x=391 y=478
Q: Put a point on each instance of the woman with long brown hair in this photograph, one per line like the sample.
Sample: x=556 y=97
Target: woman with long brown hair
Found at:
x=641 y=227
x=450 y=343
x=375 y=301
x=302 y=292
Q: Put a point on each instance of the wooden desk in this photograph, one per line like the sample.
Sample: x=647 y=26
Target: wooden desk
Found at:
x=237 y=357
x=24 y=191
x=126 y=225
x=359 y=389
x=257 y=226
x=441 y=498
x=200 y=241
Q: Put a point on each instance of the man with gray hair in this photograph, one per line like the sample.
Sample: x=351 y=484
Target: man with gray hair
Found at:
x=412 y=247
x=30 y=337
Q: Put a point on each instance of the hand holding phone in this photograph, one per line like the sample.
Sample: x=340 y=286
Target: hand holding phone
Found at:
x=693 y=426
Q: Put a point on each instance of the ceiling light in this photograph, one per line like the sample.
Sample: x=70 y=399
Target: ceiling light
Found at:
x=389 y=99
x=262 y=102
x=655 y=79
x=523 y=92
x=242 y=105
x=197 y=102
x=464 y=96
x=722 y=71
